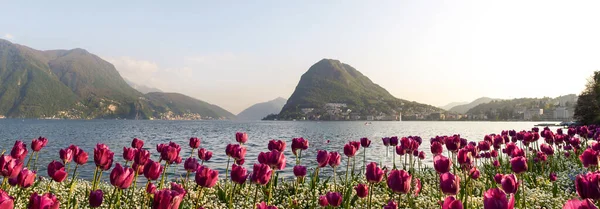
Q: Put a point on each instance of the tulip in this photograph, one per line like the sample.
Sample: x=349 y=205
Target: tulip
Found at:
x=349 y=150
x=46 y=201
x=168 y=198
x=103 y=157
x=66 y=155
x=391 y=205
x=19 y=150
x=299 y=144
x=394 y=141
x=510 y=184
x=278 y=145
x=191 y=164
x=9 y=166
x=275 y=159
x=374 y=174
x=26 y=178
x=483 y=146
x=129 y=154
x=137 y=143
x=496 y=199
x=334 y=199
x=322 y=158
x=205 y=177
x=56 y=171
x=399 y=181
x=436 y=148
x=449 y=183
x=464 y=157
x=150 y=188
x=239 y=174
x=553 y=177
x=518 y=164
x=38 y=144
x=299 y=171
x=452 y=203
x=204 y=155
x=365 y=142
x=6 y=202
x=96 y=198
x=121 y=177
x=194 y=143
x=152 y=170
x=442 y=164
x=80 y=157
x=355 y=144
x=498 y=178
x=170 y=153
x=579 y=204
x=587 y=186
x=261 y=174
x=386 y=141
x=334 y=159
x=362 y=190
x=589 y=157
x=264 y=205
x=141 y=157
x=241 y=138
x=323 y=201
x=474 y=173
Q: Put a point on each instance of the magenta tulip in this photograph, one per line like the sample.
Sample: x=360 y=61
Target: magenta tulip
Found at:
x=194 y=142
x=121 y=177
x=6 y=201
x=355 y=144
x=152 y=170
x=441 y=164
x=278 y=145
x=137 y=143
x=399 y=181
x=141 y=157
x=191 y=164
x=151 y=188
x=275 y=159
x=206 y=177
x=299 y=144
x=349 y=150
x=474 y=173
x=26 y=178
x=449 y=183
x=80 y=157
x=334 y=199
x=518 y=164
x=46 y=201
x=38 y=144
x=579 y=204
x=322 y=158
x=239 y=174
x=496 y=199
x=56 y=171
x=323 y=201
x=510 y=184
x=204 y=155
x=391 y=205
x=96 y=198
x=241 y=138
x=261 y=174
x=129 y=153
x=334 y=159
x=9 y=166
x=362 y=190
x=589 y=157
x=168 y=198
x=365 y=142
x=436 y=148
x=587 y=185
x=19 y=150
x=498 y=178
x=452 y=203
x=263 y=205
x=103 y=157
x=464 y=157
x=374 y=174
x=553 y=177
x=299 y=171
x=170 y=153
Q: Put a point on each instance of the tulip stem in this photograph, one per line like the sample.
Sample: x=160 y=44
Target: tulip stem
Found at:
x=255 y=195
x=364 y=160
x=312 y=185
x=29 y=161
x=231 y=197
x=162 y=178
x=353 y=165
x=227 y=168
x=271 y=182
x=347 y=167
x=370 y=193
x=335 y=179
x=35 y=161
x=94 y=181
x=199 y=200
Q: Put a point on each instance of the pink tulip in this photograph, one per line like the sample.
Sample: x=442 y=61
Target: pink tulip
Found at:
x=436 y=148
x=46 y=201
x=129 y=153
x=239 y=174
x=334 y=159
x=194 y=142
x=66 y=155
x=449 y=183
x=241 y=138
x=141 y=157
x=191 y=164
x=19 y=150
x=6 y=202
x=299 y=144
x=374 y=174
x=355 y=144
x=391 y=205
x=168 y=198
x=79 y=156
x=299 y=171
x=278 y=145
x=261 y=174
x=496 y=199
x=474 y=173
x=323 y=201
x=553 y=177
x=510 y=184
x=121 y=177
x=152 y=170
x=10 y=167
x=275 y=159
x=518 y=164
x=26 y=178
x=137 y=143
x=263 y=205
x=334 y=199
x=442 y=164
x=206 y=177
x=587 y=185
x=56 y=171
x=452 y=203
x=151 y=188
x=103 y=157
x=204 y=155
x=579 y=204
x=38 y=144
x=350 y=150
x=170 y=153
x=417 y=186
x=399 y=181
x=589 y=157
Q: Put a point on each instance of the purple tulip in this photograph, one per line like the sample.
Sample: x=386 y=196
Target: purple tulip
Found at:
x=589 y=157
x=206 y=177
x=386 y=141
x=365 y=142
x=299 y=171
x=452 y=203
x=191 y=164
x=510 y=184
x=334 y=199
x=263 y=205
x=194 y=142
x=496 y=199
x=239 y=174
x=391 y=205
x=449 y=183
x=349 y=150
x=587 y=185
x=170 y=153
x=374 y=174
x=362 y=190
x=474 y=173
x=96 y=198
x=442 y=164
x=299 y=144
x=518 y=164
x=152 y=170
x=399 y=181
x=436 y=148
x=204 y=154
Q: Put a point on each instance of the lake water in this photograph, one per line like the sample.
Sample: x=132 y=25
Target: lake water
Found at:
x=216 y=135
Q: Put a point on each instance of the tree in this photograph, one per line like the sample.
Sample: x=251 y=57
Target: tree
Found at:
x=587 y=109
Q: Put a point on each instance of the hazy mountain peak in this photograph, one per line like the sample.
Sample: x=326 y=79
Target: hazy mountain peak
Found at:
x=260 y=110
x=466 y=107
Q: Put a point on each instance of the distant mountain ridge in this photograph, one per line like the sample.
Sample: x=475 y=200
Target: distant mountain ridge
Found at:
x=71 y=84
x=331 y=81
x=260 y=110
x=453 y=104
x=142 y=88
x=462 y=109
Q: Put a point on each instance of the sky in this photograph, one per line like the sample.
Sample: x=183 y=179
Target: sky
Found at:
x=238 y=53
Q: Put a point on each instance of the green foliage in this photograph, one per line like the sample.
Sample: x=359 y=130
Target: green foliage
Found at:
x=587 y=110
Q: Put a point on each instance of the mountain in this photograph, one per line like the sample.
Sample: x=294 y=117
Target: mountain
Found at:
x=260 y=110
x=462 y=109
x=142 y=88
x=72 y=84
x=453 y=104
x=179 y=104
x=331 y=81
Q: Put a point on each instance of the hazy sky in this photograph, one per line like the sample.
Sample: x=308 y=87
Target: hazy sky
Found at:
x=239 y=53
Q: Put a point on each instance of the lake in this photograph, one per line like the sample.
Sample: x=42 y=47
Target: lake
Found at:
x=216 y=135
